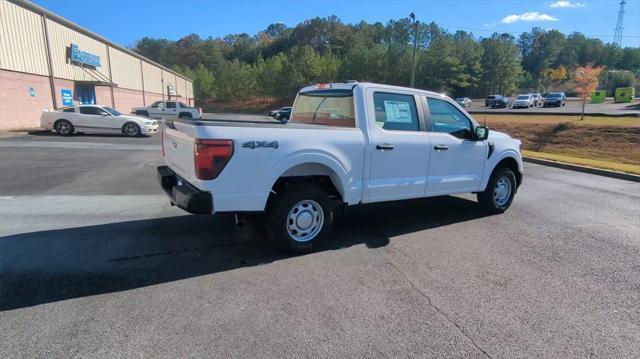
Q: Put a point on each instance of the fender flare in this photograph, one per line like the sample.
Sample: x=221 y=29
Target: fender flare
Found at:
x=315 y=157
x=497 y=158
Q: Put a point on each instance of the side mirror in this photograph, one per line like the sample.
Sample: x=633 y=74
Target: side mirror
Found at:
x=482 y=133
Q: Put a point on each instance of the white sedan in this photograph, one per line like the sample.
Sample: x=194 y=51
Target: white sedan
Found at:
x=94 y=118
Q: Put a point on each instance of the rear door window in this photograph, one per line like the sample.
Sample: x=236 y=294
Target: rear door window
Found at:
x=171 y=105
x=396 y=112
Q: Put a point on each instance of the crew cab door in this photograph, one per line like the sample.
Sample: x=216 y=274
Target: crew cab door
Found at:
x=456 y=158
x=399 y=146
x=156 y=109
x=171 y=109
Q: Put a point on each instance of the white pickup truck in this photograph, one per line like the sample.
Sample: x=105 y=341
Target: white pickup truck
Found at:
x=345 y=144
x=168 y=110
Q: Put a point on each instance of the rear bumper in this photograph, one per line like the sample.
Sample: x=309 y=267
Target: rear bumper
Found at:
x=183 y=194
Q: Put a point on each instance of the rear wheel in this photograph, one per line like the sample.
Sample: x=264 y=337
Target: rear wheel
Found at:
x=64 y=128
x=300 y=217
x=185 y=115
x=131 y=129
x=501 y=189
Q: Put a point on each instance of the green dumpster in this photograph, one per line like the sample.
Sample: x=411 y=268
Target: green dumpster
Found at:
x=598 y=96
x=624 y=94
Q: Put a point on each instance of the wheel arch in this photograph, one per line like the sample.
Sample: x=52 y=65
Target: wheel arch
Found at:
x=511 y=163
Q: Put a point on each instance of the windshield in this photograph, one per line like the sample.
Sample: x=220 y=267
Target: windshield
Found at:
x=112 y=111
x=523 y=97
x=324 y=108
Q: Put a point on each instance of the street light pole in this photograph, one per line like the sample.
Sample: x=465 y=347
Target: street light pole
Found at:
x=415 y=48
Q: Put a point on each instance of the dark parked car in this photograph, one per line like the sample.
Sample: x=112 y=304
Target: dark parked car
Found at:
x=555 y=99
x=284 y=114
x=501 y=102
x=273 y=113
x=488 y=102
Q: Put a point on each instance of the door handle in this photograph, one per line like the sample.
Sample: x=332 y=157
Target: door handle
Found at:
x=441 y=147
x=385 y=146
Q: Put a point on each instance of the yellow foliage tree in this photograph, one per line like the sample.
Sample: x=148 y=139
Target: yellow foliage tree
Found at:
x=586 y=79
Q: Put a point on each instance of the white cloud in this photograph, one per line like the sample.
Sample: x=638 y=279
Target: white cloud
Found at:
x=527 y=17
x=567 y=4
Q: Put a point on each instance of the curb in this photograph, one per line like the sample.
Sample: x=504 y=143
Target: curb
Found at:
x=584 y=169
x=549 y=113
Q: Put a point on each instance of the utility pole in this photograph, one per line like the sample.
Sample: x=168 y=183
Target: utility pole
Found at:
x=415 y=48
x=617 y=38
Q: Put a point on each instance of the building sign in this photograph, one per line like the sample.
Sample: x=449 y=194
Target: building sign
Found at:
x=82 y=57
x=67 y=97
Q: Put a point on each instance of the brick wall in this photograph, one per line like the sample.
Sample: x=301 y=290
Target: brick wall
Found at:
x=127 y=99
x=103 y=96
x=63 y=84
x=17 y=108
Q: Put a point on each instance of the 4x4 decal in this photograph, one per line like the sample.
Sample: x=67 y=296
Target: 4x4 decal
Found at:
x=260 y=144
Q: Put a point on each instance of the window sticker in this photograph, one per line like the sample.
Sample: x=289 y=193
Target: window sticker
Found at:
x=398 y=111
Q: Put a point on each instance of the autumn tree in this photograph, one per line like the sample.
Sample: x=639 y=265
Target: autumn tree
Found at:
x=586 y=79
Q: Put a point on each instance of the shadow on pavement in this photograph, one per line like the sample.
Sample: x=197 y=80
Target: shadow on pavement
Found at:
x=47 y=266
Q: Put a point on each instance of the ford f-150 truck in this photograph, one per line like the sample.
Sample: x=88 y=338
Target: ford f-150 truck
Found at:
x=345 y=144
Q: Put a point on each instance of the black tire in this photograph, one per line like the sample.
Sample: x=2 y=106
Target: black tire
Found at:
x=491 y=199
x=131 y=129
x=186 y=115
x=281 y=227
x=142 y=113
x=64 y=128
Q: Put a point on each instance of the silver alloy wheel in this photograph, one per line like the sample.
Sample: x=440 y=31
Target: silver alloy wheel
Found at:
x=305 y=220
x=131 y=130
x=502 y=191
x=64 y=127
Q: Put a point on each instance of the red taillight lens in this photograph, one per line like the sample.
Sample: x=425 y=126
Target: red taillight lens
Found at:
x=211 y=156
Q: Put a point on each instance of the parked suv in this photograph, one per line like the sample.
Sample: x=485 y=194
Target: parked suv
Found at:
x=538 y=100
x=555 y=99
x=488 y=102
x=523 y=101
x=501 y=102
x=168 y=110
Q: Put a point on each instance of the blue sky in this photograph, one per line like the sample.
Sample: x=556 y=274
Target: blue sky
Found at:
x=125 y=22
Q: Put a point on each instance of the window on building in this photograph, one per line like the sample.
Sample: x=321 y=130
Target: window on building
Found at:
x=447 y=118
x=396 y=112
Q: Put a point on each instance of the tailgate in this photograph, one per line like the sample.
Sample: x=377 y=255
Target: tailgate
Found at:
x=178 y=142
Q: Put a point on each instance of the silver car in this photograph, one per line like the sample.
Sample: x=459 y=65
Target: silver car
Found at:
x=464 y=102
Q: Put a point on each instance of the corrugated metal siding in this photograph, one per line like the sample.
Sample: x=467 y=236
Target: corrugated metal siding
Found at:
x=60 y=38
x=169 y=79
x=181 y=87
x=22 y=44
x=152 y=78
x=125 y=70
x=189 y=89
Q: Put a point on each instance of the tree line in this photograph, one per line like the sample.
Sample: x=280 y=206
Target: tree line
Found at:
x=280 y=60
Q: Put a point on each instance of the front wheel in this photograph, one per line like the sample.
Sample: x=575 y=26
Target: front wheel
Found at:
x=131 y=130
x=501 y=189
x=299 y=218
x=64 y=128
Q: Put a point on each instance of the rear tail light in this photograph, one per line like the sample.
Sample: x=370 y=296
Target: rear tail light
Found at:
x=210 y=157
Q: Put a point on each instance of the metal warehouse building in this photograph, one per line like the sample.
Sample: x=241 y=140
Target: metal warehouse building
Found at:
x=47 y=61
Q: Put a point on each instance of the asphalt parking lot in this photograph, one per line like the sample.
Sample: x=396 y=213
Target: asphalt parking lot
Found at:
x=571 y=107
x=94 y=262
